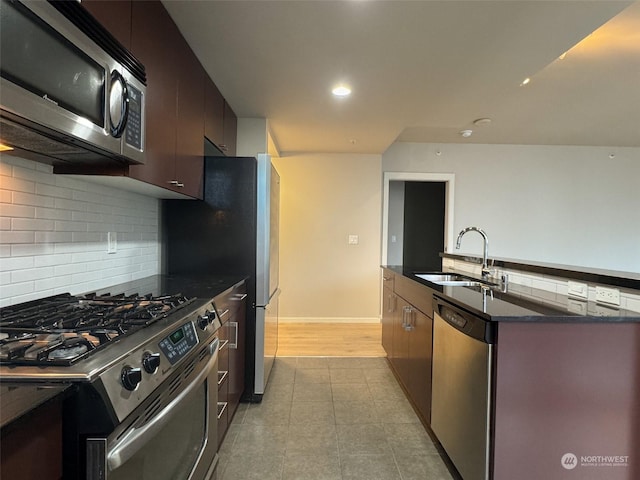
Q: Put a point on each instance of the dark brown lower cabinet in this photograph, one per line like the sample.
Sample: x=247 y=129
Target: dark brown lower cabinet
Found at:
x=231 y=306
x=407 y=337
x=31 y=446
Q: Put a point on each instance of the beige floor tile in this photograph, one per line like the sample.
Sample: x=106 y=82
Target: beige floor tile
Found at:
x=347 y=375
x=351 y=392
x=362 y=440
x=369 y=467
x=312 y=392
x=421 y=467
x=312 y=467
x=312 y=413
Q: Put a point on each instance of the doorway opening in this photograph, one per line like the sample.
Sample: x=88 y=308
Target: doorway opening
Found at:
x=417 y=221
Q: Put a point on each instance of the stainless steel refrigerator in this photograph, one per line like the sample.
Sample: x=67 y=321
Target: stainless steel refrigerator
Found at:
x=234 y=230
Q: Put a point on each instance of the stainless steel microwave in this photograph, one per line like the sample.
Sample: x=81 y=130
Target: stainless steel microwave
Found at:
x=69 y=91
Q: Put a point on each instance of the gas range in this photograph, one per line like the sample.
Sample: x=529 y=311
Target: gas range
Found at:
x=125 y=346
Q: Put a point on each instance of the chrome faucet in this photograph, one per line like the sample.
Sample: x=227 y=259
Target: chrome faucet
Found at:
x=485 y=266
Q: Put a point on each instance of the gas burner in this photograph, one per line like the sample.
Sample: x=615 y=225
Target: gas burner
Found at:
x=68 y=352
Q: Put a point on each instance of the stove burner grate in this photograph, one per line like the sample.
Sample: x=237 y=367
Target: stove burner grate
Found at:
x=60 y=330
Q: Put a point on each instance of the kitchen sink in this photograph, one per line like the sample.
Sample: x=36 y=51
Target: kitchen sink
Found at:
x=450 y=279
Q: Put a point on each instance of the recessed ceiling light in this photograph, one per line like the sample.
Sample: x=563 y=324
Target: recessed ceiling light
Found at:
x=466 y=133
x=341 y=91
x=525 y=82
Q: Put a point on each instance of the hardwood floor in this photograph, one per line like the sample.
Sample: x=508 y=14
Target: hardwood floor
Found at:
x=330 y=340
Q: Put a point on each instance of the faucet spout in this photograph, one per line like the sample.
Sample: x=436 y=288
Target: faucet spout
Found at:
x=485 y=255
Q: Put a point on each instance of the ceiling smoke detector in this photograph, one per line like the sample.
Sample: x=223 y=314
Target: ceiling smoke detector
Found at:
x=482 y=121
x=466 y=133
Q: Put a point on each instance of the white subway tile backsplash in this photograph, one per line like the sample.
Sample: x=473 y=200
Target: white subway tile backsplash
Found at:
x=70 y=268
x=6 y=196
x=52 y=260
x=43 y=178
x=53 y=237
x=53 y=191
x=64 y=204
x=53 y=213
x=53 y=233
x=17 y=184
x=52 y=283
x=21 y=198
x=31 y=224
x=9 y=237
x=70 y=226
x=94 y=237
x=17 y=211
x=18 y=276
x=547 y=287
x=31 y=249
x=15 y=289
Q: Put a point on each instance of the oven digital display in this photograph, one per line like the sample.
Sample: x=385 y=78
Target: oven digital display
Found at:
x=179 y=343
x=175 y=337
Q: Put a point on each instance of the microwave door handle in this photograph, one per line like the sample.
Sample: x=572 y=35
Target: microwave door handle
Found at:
x=133 y=441
x=118 y=130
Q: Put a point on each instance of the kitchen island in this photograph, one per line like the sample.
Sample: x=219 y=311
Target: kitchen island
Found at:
x=564 y=389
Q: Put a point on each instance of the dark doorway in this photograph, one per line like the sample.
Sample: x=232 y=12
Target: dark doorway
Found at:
x=423 y=232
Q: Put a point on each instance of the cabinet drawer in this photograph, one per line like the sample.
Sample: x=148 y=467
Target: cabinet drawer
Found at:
x=420 y=296
x=388 y=278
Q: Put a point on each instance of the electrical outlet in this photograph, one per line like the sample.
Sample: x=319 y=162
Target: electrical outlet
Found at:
x=577 y=289
x=576 y=306
x=112 y=242
x=609 y=296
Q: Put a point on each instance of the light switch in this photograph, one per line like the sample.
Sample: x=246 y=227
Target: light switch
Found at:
x=353 y=240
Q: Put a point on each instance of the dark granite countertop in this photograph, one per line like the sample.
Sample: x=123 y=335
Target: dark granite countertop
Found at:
x=202 y=286
x=522 y=304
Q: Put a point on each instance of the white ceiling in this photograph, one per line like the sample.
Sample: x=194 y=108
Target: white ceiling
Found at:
x=422 y=71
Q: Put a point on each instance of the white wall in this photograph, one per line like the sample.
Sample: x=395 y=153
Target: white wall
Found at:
x=53 y=233
x=559 y=204
x=324 y=199
x=396 y=223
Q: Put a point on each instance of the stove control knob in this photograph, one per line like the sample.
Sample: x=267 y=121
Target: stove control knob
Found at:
x=130 y=377
x=203 y=321
x=150 y=362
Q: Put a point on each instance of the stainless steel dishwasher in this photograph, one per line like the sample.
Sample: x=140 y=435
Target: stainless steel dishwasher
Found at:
x=461 y=388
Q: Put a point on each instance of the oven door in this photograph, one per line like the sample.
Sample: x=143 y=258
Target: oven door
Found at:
x=173 y=435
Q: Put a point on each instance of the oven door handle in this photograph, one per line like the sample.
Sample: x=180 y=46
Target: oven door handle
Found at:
x=136 y=438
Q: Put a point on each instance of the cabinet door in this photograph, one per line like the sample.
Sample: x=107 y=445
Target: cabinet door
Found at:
x=420 y=357
x=237 y=331
x=400 y=359
x=223 y=382
x=31 y=447
x=389 y=307
x=115 y=16
x=153 y=41
x=214 y=113
x=189 y=158
x=230 y=131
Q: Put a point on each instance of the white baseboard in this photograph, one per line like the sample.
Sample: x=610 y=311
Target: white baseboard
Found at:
x=328 y=320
